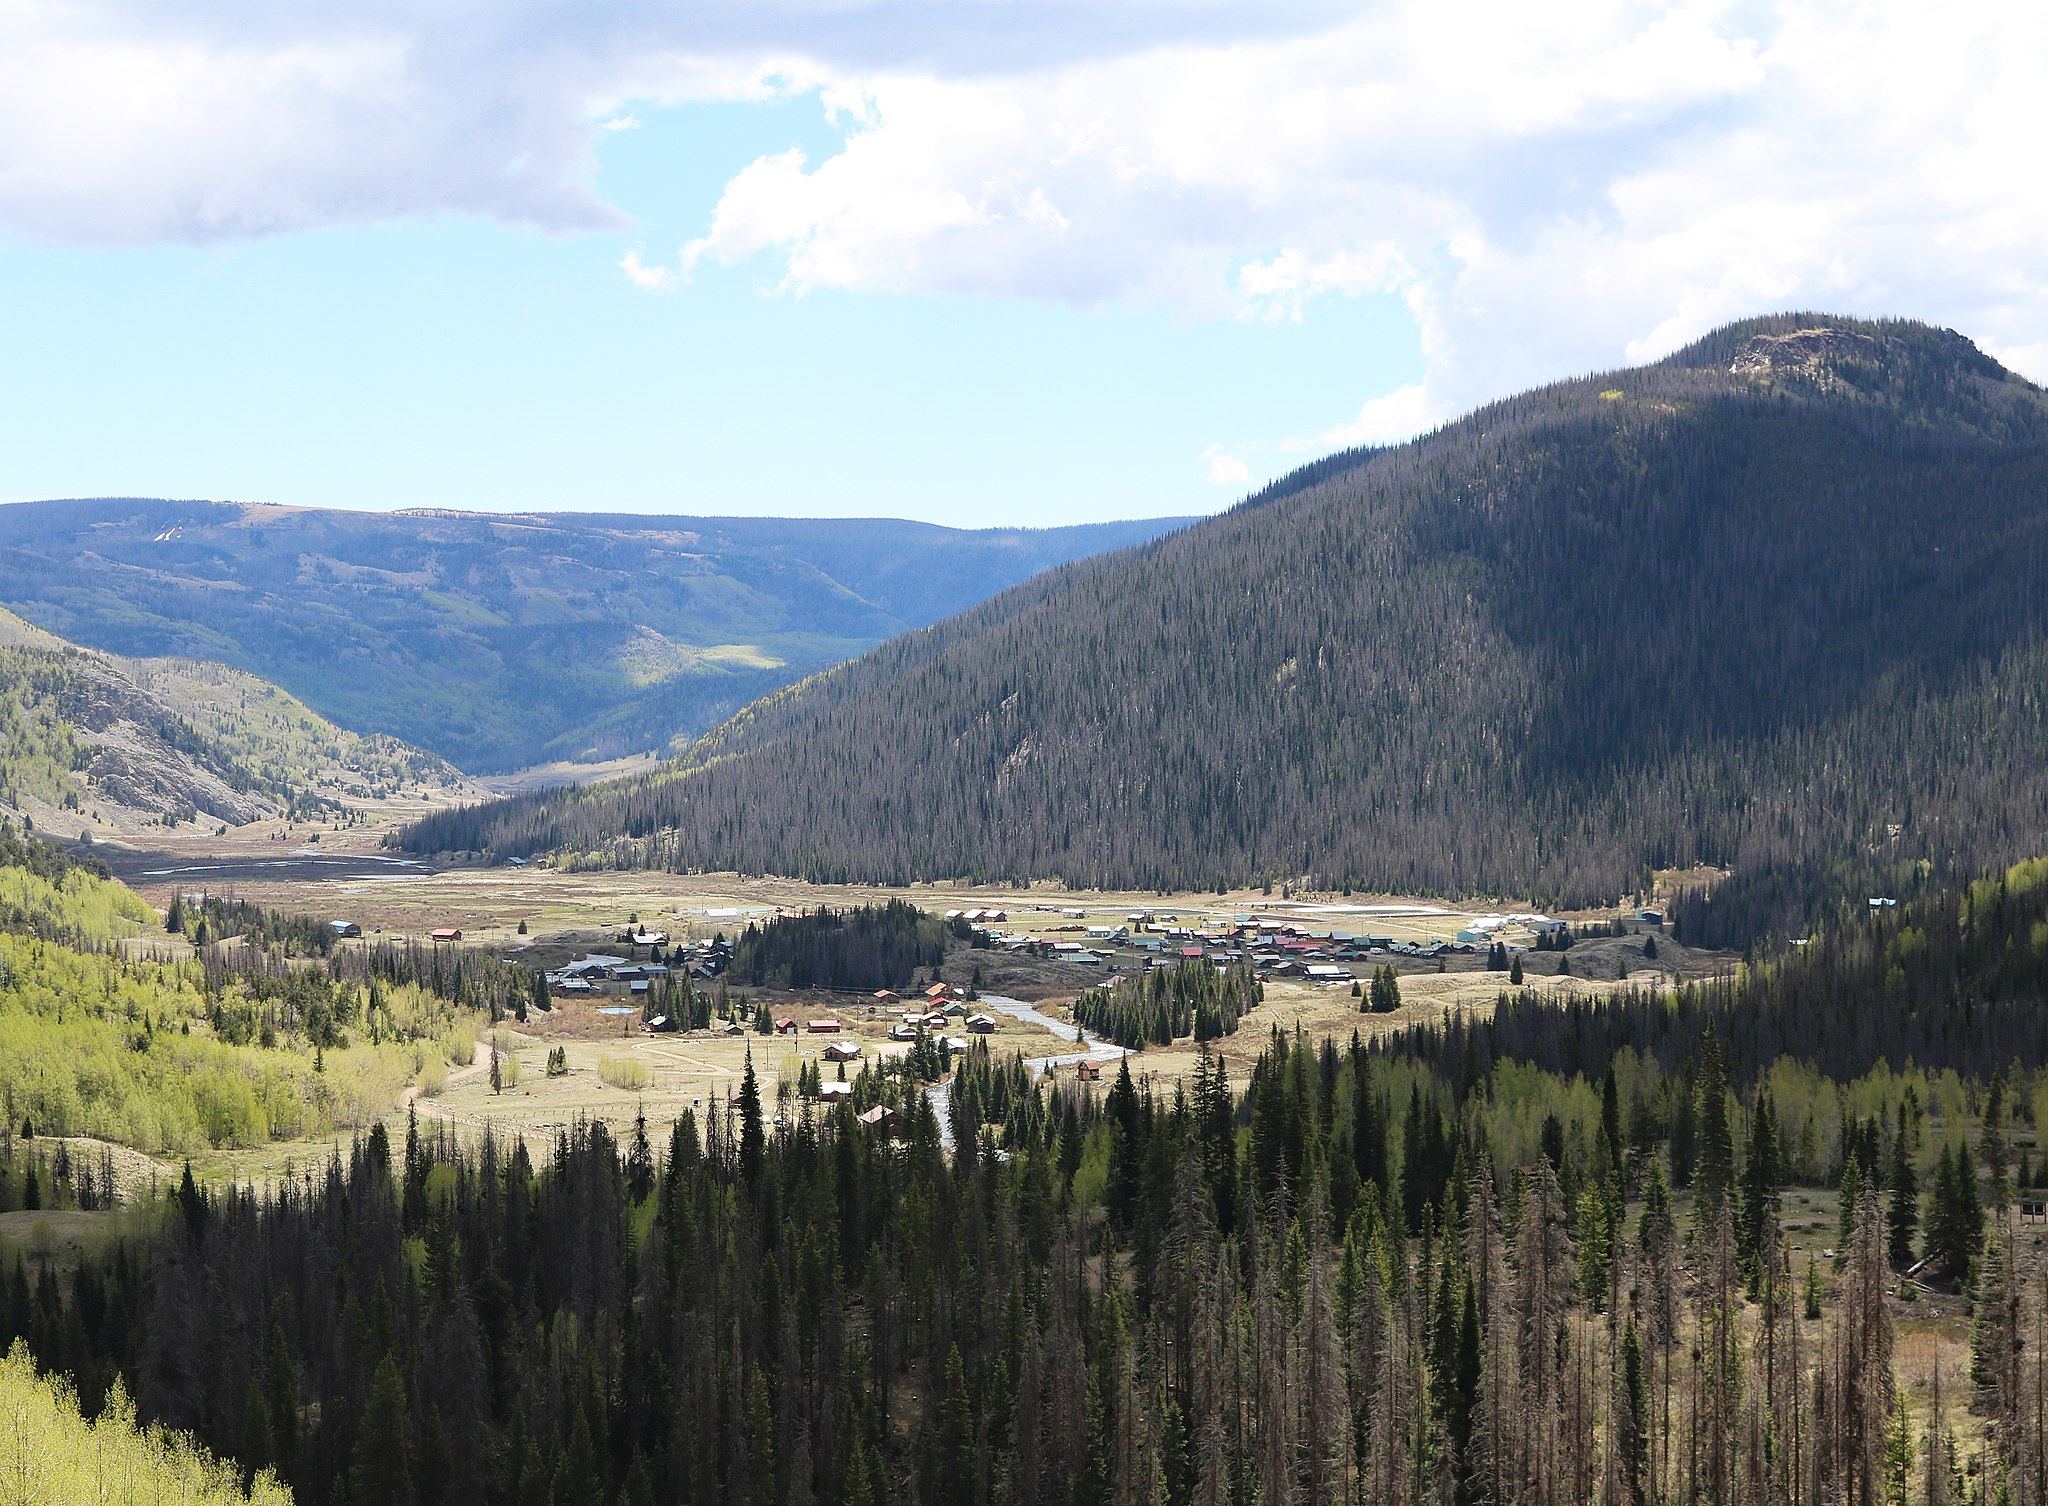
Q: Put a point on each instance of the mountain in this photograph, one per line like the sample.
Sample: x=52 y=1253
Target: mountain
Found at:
x=503 y=641
x=1773 y=603
x=90 y=739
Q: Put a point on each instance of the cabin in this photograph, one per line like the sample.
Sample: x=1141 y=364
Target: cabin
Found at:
x=982 y=1024
x=888 y=1121
x=823 y=1025
x=835 y=1092
x=1656 y=917
x=786 y=1025
x=938 y=993
x=902 y=1032
x=1088 y=1070
x=934 y=1021
x=843 y=1051
x=345 y=928
x=446 y=934
x=887 y=996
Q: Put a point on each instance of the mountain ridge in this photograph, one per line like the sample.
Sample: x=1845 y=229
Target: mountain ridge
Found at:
x=502 y=640
x=96 y=740
x=1669 y=615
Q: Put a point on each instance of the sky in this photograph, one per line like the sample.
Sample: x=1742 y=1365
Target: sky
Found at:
x=972 y=261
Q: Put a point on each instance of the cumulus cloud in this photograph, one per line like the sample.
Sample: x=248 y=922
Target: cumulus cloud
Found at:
x=649 y=279
x=1224 y=469
x=1400 y=414
x=1550 y=189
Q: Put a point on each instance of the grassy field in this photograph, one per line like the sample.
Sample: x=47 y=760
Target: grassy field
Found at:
x=269 y=863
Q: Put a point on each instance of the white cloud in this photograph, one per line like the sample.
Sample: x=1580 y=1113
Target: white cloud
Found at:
x=1224 y=469
x=1550 y=188
x=649 y=279
x=1401 y=414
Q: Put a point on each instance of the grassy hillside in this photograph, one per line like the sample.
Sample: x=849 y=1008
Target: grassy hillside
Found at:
x=231 y=1050
x=1774 y=603
x=87 y=737
x=504 y=641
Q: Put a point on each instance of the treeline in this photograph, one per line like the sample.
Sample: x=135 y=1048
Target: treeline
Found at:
x=1165 y=1004
x=1956 y=979
x=1783 y=620
x=862 y=947
x=1309 y=1293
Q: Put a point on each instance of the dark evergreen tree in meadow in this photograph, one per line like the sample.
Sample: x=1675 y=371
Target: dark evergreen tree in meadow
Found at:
x=1902 y=1210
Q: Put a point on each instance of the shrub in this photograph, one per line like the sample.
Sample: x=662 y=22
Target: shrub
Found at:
x=623 y=1072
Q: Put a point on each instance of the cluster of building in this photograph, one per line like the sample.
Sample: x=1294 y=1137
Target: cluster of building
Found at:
x=1273 y=946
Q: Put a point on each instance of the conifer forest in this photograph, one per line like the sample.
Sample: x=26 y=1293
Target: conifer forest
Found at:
x=1493 y=1263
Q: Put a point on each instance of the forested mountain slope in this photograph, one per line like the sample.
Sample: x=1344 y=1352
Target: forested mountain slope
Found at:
x=90 y=741
x=504 y=641
x=1775 y=602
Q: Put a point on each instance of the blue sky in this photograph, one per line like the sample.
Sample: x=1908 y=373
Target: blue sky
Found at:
x=1010 y=261
x=457 y=362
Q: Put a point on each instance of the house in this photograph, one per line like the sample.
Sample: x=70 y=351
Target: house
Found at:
x=823 y=1025
x=982 y=1024
x=449 y=934
x=955 y=1008
x=786 y=1025
x=843 y=1051
x=835 y=1092
x=933 y=1021
x=938 y=993
x=902 y=1032
x=645 y=938
x=735 y=1028
x=1088 y=1070
x=889 y=1121
x=345 y=928
x=1328 y=972
x=887 y=996
x=1656 y=917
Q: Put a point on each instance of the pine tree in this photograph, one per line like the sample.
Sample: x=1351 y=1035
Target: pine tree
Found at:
x=1902 y=1215
x=382 y=1472
x=753 y=1140
x=1714 y=1170
x=1757 y=1217
x=1997 y=1153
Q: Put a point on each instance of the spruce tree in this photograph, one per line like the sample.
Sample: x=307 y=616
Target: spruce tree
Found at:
x=381 y=1474
x=1757 y=1212
x=1714 y=1170
x=753 y=1140
x=1902 y=1215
